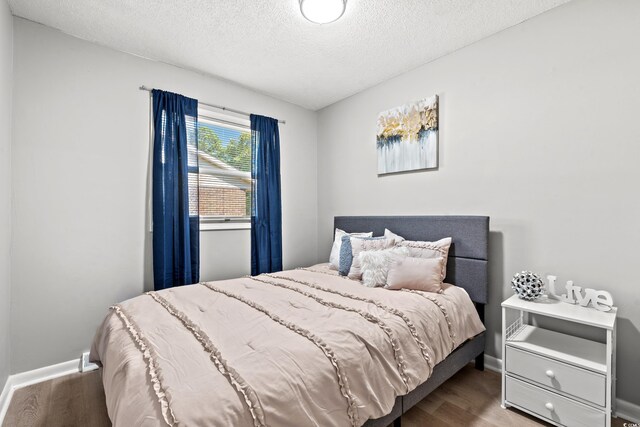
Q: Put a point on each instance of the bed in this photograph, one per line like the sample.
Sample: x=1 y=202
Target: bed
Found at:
x=299 y=347
x=467 y=268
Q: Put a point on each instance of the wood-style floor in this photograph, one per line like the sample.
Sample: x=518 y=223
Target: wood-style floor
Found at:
x=469 y=398
x=72 y=400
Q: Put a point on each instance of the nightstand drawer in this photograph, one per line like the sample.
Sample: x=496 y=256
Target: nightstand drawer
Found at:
x=552 y=406
x=565 y=378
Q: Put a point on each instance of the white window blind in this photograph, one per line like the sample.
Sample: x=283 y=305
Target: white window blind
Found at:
x=224 y=178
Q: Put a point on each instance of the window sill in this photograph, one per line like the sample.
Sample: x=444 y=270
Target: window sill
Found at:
x=214 y=226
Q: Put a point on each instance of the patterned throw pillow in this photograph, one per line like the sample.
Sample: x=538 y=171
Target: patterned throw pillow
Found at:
x=376 y=265
x=420 y=249
x=334 y=257
x=364 y=244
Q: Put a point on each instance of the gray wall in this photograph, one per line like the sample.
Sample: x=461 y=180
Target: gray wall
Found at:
x=539 y=130
x=6 y=65
x=80 y=164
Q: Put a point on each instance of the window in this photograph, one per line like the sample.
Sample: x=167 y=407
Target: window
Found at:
x=224 y=178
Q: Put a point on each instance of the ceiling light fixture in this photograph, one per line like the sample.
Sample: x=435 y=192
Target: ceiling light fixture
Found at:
x=322 y=11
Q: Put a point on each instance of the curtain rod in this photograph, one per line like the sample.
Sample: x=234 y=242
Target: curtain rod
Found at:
x=219 y=107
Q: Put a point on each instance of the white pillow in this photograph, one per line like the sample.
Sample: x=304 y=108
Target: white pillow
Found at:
x=375 y=265
x=391 y=235
x=334 y=257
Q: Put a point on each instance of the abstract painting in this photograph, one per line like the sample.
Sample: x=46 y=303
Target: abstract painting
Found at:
x=407 y=137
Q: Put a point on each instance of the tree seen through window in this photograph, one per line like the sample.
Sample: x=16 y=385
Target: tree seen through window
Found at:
x=225 y=170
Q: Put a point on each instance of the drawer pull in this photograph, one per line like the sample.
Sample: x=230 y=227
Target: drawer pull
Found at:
x=549 y=406
x=550 y=374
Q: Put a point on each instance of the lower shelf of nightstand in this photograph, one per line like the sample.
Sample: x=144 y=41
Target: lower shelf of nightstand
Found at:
x=577 y=351
x=551 y=406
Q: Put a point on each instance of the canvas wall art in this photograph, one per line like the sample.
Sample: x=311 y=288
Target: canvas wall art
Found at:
x=407 y=137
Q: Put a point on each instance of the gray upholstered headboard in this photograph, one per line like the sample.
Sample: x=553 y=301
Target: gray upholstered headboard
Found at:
x=467 y=263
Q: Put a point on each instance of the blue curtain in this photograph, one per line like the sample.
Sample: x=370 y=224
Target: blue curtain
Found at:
x=176 y=226
x=266 y=218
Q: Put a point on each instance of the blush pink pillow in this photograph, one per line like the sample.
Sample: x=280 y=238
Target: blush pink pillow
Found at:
x=421 y=274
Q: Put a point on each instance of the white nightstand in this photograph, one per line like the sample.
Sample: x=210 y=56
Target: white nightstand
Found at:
x=560 y=378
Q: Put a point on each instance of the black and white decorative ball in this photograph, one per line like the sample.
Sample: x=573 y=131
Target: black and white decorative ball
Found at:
x=527 y=285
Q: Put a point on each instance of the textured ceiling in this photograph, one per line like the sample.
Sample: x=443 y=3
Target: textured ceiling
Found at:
x=268 y=46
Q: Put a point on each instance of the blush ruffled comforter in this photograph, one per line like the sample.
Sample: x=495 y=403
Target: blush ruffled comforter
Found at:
x=298 y=348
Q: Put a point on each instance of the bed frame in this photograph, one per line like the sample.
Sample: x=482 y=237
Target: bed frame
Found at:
x=466 y=267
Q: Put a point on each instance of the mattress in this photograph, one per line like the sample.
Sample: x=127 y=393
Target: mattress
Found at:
x=303 y=347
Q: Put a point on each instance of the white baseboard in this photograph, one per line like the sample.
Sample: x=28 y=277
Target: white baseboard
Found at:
x=492 y=363
x=24 y=379
x=627 y=410
x=5 y=398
